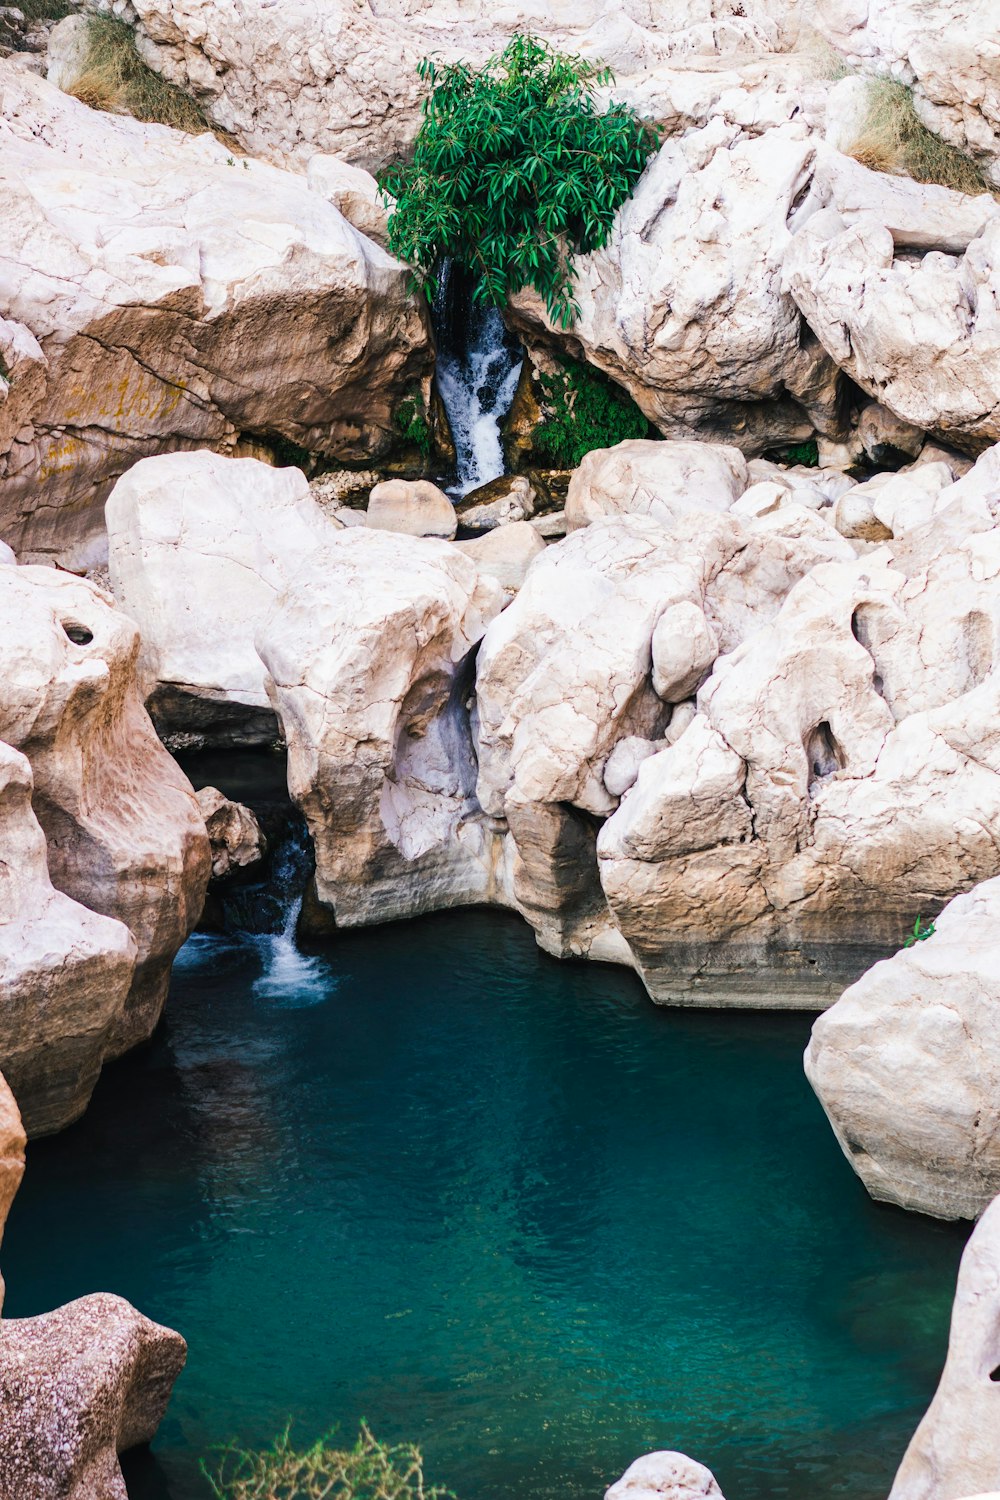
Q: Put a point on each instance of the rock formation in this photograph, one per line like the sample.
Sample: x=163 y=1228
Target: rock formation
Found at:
x=200 y=546
x=233 y=832
x=176 y=297
x=907 y=1066
x=657 y=479
x=65 y=975
x=12 y=1144
x=665 y=1476
x=956 y=1449
x=124 y=834
x=369 y=655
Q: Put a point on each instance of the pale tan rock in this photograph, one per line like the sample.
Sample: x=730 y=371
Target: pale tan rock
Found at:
x=176 y=297
x=907 y=1066
x=956 y=1448
x=883 y=434
x=686 y=308
x=65 y=976
x=199 y=548
x=78 y=1386
x=353 y=193
x=370 y=666
x=12 y=1144
x=505 y=554
x=660 y=480
x=512 y=499
x=414 y=507
x=665 y=1476
x=233 y=832
x=125 y=837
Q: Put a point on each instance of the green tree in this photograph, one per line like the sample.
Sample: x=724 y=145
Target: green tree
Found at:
x=517 y=167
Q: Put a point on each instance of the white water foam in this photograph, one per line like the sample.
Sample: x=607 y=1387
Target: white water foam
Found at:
x=477 y=388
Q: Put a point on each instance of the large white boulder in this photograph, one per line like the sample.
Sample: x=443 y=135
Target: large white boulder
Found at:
x=956 y=1449
x=665 y=1476
x=907 y=1065
x=199 y=548
x=685 y=306
x=900 y=287
x=369 y=654
x=161 y=294
x=657 y=479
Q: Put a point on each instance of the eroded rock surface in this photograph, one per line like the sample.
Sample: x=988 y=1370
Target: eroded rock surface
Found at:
x=12 y=1144
x=124 y=834
x=956 y=1449
x=78 y=1386
x=161 y=294
x=907 y=1066
x=665 y=1476
x=233 y=832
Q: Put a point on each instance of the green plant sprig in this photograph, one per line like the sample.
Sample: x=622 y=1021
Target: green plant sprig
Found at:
x=369 y=1471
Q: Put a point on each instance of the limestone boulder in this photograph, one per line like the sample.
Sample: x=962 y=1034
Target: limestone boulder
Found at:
x=78 y=1386
x=199 y=547
x=414 y=507
x=908 y=315
x=945 y=49
x=12 y=1144
x=686 y=307
x=175 y=297
x=612 y=631
x=661 y=480
x=370 y=662
x=65 y=976
x=956 y=1449
x=665 y=1476
x=233 y=831
x=907 y=1065
x=125 y=836
x=840 y=778
x=506 y=554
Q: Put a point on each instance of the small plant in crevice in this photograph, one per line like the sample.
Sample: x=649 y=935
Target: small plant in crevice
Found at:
x=894 y=139
x=369 y=1471
x=413 y=423
x=585 y=410
x=921 y=932
x=804 y=454
x=518 y=166
x=116 y=79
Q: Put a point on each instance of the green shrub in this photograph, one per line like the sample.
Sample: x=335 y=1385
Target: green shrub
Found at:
x=516 y=167
x=46 y=10
x=586 y=411
x=368 y=1471
x=411 y=419
x=806 y=454
x=894 y=139
x=117 y=80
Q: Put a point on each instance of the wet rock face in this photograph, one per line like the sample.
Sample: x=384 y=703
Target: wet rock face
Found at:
x=78 y=1386
x=177 y=298
x=907 y=1066
x=123 y=831
x=956 y=1449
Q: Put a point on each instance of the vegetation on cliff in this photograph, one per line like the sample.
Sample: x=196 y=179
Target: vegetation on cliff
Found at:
x=517 y=166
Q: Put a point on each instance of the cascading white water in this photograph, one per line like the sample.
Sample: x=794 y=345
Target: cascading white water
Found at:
x=290 y=978
x=478 y=368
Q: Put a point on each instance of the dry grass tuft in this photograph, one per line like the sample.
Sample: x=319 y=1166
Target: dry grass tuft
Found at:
x=893 y=139
x=117 y=80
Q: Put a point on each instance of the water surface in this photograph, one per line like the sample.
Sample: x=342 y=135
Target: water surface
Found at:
x=500 y=1205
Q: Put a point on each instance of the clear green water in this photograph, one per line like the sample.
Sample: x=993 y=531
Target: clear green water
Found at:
x=500 y=1205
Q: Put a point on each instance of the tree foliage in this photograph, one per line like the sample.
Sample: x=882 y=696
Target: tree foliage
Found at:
x=517 y=167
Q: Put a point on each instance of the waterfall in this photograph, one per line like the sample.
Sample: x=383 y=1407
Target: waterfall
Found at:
x=290 y=979
x=479 y=362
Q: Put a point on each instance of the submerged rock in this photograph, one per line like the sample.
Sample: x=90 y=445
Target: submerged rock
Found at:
x=907 y=1066
x=956 y=1449
x=161 y=295
x=78 y=1386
